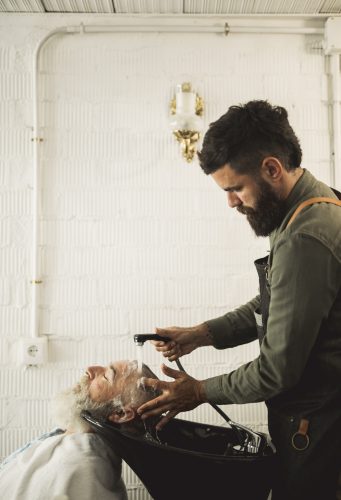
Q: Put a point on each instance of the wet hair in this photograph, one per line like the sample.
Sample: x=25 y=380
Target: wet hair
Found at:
x=67 y=406
x=245 y=135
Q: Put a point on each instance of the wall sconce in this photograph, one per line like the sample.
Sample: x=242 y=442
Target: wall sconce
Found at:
x=187 y=108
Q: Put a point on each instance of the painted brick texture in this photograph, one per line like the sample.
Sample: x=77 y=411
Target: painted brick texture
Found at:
x=131 y=237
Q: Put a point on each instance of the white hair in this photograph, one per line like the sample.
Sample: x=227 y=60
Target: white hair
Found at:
x=67 y=406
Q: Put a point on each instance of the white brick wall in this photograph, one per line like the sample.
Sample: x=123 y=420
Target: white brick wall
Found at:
x=131 y=237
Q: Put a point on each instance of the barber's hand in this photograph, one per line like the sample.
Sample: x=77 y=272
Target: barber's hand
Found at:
x=185 y=393
x=182 y=340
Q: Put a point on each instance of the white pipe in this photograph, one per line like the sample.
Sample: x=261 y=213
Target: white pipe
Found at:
x=336 y=116
x=223 y=28
x=280 y=30
x=36 y=281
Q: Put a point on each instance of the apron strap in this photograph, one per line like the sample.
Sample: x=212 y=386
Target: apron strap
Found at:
x=311 y=201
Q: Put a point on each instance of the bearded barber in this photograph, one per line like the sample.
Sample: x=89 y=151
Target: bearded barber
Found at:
x=253 y=154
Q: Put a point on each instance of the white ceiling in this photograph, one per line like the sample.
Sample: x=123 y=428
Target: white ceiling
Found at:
x=247 y=7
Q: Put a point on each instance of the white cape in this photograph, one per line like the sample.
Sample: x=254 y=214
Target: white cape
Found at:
x=80 y=466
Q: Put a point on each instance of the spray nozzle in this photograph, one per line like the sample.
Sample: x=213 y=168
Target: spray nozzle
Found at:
x=141 y=338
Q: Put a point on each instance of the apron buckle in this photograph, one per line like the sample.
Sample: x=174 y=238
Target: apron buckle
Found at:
x=300 y=440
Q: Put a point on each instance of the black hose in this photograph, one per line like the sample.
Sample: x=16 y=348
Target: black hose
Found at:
x=140 y=339
x=218 y=410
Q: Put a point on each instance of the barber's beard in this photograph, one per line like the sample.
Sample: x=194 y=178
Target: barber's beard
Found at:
x=268 y=213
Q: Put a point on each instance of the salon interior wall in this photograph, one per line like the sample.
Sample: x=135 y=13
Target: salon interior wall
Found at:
x=131 y=237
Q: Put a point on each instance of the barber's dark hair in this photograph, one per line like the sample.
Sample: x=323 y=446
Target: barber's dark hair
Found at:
x=245 y=135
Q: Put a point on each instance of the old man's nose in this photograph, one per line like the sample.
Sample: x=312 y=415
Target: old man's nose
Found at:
x=92 y=371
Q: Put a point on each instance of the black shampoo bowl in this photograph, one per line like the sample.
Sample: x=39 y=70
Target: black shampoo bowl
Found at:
x=188 y=460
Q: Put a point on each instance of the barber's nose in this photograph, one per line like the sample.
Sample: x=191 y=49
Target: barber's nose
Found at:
x=92 y=371
x=233 y=200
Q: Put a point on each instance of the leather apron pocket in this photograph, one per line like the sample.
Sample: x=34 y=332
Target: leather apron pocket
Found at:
x=308 y=454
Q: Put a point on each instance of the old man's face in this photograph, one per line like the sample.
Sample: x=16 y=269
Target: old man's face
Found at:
x=113 y=392
x=120 y=379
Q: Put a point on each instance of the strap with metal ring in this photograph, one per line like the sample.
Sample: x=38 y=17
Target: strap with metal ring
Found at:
x=304 y=444
x=300 y=440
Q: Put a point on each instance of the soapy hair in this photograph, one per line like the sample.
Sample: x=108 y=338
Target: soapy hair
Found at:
x=67 y=406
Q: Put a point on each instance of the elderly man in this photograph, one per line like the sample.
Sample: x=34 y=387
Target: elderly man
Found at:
x=72 y=460
x=253 y=154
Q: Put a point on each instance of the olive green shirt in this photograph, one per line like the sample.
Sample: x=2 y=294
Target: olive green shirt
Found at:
x=302 y=346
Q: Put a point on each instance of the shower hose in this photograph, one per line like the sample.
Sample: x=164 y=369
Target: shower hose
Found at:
x=140 y=339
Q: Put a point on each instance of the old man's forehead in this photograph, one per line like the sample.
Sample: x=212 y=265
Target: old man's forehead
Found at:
x=132 y=367
x=125 y=366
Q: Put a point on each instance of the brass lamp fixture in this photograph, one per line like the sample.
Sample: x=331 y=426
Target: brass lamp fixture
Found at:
x=187 y=108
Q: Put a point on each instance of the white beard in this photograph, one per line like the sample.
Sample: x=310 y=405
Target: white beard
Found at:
x=67 y=406
x=65 y=410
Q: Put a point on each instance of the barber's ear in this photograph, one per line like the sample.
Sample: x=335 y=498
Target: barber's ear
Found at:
x=125 y=415
x=272 y=168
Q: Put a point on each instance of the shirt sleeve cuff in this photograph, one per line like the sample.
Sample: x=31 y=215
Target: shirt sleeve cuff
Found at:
x=214 y=391
x=221 y=330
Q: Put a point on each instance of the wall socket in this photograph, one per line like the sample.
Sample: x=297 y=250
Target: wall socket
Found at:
x=33 y=351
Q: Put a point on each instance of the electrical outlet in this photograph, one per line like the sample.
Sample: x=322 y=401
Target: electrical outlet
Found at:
x=33 y=351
